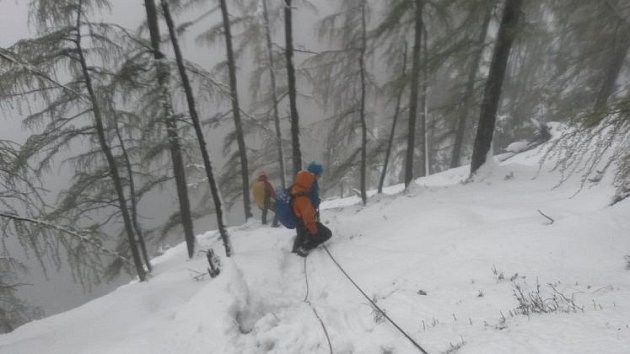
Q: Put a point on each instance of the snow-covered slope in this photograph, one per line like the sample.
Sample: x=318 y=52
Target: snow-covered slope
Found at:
x=445 y=260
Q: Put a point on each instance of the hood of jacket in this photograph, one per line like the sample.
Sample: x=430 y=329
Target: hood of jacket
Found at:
x=303 y=182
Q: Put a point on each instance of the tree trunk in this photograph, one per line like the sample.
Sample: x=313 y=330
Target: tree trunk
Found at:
x=190 y=99
x=470 y=88
x=295 y=119
x=111 y=161
x=132 y=197
x=171 y=127
x=620 y=47
x=390 y=142
x=274 y=96
x=236 y=111
x=413 y=97
x=362 y=109
x=424 y=87
x=492 y=93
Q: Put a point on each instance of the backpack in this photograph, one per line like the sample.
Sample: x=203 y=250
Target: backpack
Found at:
x=284 y=208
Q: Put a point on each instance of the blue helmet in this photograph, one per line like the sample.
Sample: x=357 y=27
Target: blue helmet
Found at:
x=315 y=168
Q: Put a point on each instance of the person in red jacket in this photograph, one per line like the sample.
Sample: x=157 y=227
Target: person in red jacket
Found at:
x=265 y=197
x=310 y=232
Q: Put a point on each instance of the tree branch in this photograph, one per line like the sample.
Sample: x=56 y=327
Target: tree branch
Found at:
x=77 y=234
x=550 y=219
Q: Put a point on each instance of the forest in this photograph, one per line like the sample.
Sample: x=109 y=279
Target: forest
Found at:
x=379 y=91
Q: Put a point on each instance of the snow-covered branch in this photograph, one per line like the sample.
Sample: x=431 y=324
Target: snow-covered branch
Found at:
x=78 y=234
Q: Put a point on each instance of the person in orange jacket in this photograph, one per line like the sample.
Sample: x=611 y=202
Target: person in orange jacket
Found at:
x=265 y=197
x=310 y=232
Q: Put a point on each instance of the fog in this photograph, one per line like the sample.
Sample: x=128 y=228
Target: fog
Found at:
x=59 y=292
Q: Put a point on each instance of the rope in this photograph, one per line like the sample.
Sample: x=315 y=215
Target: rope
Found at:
x=305 y=279
x=314 y=311
x=374 y=304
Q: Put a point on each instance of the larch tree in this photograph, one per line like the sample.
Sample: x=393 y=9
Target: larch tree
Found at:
x=295 y=118
x=236 y=110
x=399 y=90
x=508 y=30
x=274 y=93
x=414 y=88
x=194 y=116
x=341 y=79
x=469 y=90
x=71 y=16
x=163 y=79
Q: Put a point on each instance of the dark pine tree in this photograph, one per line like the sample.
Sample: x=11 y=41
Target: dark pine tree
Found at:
x=492 y=93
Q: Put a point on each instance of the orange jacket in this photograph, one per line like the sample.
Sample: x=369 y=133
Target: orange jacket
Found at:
x=302 y=206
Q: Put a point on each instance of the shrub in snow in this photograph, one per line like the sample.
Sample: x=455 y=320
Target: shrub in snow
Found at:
x=377 y=314
x=535 y=301
x=214 y=262
x=454 y=348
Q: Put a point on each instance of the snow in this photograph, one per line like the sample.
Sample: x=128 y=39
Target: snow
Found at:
x=443 y=259
x=517 y=146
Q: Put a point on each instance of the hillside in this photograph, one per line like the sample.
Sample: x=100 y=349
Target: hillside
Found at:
x=447 y=261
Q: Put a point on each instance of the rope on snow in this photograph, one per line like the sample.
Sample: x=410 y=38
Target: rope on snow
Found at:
x=372 y=302
x=315 y=311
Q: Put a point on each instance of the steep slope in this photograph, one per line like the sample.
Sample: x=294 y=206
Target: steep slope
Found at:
x=447 y=261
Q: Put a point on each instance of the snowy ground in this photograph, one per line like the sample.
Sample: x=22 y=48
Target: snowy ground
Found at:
x=443 y=260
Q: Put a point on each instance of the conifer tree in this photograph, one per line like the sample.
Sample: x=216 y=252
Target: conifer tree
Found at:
x=274 y=92
x=66 y=45
x=342 y=82
x=190 y=99
x=163 y=78
x=467 y=96
x=485 y=130
x=413 y=97
x=25 y=215
x=295 y=118
x=236 y=110
x=390 y=141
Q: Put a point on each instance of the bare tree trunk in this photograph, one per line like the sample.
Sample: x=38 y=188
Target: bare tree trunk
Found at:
x=171 y=127
x=295 y=119
x=470 y=88
x=424 y=87
x=190 y=99
x=492 y=93
x=236 y=110
x=620 y=47
x=111 y=161
x=392 y=133
x=362 y=109
x=413 y=97
x=132 y=197
x=274 y=96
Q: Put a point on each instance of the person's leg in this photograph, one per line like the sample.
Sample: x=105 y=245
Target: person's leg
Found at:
x=264 y=215
x=323 y=234
x=272 y=207
x=300 y=238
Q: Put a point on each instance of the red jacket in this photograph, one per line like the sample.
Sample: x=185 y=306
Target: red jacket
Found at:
x=302 y=206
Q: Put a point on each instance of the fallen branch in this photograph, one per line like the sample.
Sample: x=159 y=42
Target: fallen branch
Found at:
x=550 y=219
